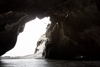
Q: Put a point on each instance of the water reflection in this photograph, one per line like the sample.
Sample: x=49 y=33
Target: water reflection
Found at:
x=46 y=63
x=3 y=64
x=23 y=63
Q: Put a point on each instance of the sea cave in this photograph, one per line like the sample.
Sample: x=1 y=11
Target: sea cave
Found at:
x=74 y=32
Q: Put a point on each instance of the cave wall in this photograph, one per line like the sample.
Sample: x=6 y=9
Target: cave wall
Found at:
x=74 y=31
x=11 y=24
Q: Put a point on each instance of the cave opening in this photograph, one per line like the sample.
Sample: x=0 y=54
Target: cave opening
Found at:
x=27 y=40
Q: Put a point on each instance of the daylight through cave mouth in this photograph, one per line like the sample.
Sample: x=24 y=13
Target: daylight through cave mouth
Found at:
x=27 y=40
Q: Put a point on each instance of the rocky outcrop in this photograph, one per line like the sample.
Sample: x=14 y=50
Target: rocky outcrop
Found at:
x=11 y=24
x=40 y=47
x=74 y=32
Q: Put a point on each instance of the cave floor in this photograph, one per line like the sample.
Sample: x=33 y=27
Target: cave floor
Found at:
x=46 y=63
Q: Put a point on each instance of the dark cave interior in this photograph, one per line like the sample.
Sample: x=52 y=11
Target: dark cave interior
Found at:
x=74 y=32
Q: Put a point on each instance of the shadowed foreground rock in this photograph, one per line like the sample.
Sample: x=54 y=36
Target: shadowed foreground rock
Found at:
x=11 y=24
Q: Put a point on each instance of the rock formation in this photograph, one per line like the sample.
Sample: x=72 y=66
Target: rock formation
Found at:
x=74 y=31
x=40 y=47
x=10 y=26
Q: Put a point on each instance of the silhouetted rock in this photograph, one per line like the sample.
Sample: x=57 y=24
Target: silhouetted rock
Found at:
x=10 y=25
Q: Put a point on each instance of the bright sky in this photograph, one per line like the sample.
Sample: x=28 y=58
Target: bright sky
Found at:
x=26 y=42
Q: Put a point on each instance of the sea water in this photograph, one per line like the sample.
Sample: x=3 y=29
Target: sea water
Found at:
x=46 y=63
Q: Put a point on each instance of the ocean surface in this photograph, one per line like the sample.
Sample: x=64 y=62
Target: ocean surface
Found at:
x=46 y=63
